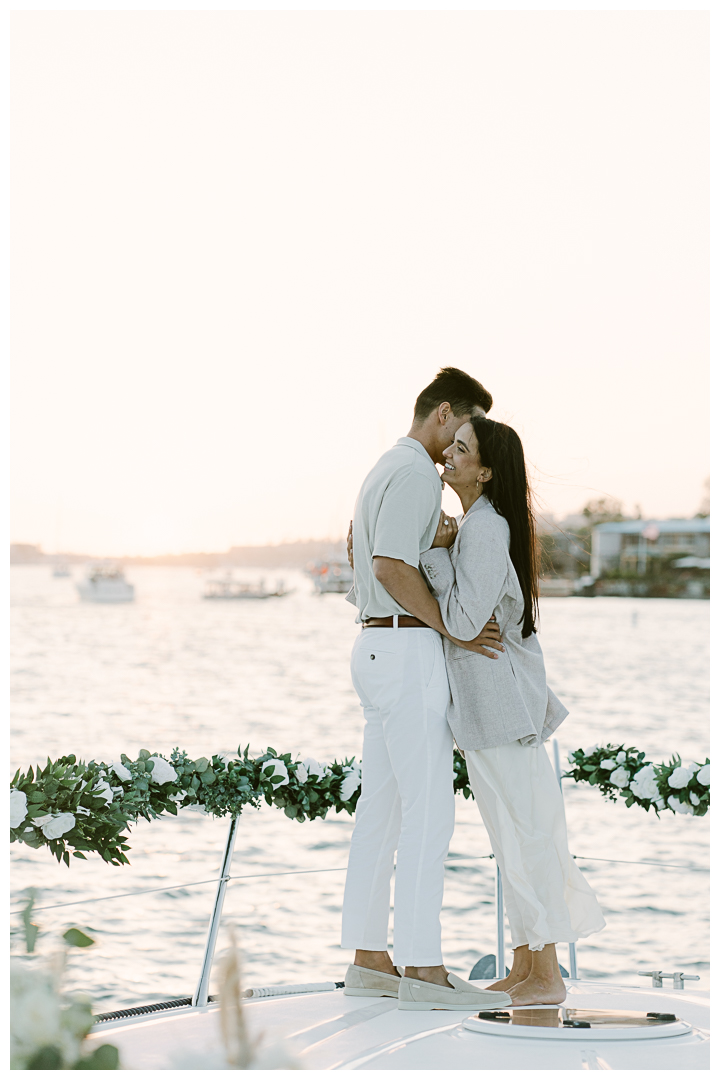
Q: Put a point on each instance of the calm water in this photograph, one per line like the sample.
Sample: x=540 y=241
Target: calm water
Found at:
x=173 y=670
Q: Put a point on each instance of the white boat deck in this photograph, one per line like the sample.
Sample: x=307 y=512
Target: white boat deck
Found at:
x=331 y=1031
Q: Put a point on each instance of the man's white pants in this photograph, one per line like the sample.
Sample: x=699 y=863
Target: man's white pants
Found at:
x=407 y=800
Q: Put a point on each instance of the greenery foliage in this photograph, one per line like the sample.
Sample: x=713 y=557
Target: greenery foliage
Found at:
x=621 y=771
x=73 y=807
x=48 y=1028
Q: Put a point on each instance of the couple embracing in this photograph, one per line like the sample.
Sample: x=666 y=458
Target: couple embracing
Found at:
x=448 y=651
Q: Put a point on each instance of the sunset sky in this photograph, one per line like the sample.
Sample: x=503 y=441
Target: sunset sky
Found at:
x=243 y=242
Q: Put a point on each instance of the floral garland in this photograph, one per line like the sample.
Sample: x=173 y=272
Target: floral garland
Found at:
x=72 y=807
x=620 y=771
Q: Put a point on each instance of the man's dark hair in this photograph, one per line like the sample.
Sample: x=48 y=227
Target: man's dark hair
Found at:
x=463 y=393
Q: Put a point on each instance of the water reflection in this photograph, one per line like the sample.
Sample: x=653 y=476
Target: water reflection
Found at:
x=549 y=1018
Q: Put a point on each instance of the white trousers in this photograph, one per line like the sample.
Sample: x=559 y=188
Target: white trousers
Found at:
x=407 y=800
x=547 y=899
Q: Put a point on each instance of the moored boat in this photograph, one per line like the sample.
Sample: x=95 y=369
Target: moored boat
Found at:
x=227 y=588
x=105 y=583
x=330 y=575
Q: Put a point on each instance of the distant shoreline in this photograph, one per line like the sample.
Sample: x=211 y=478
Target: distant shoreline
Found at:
x=296 y=554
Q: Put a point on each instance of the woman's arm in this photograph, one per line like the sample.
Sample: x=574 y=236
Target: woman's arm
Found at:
x=469 y=593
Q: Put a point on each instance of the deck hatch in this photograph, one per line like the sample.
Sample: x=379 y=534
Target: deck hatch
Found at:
x=556 y=1022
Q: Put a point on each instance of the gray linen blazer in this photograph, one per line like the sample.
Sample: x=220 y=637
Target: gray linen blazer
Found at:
x=493 y=701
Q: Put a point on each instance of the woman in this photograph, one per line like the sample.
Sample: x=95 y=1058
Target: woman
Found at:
x=502 y=710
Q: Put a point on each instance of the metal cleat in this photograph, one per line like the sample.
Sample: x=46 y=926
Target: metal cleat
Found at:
x=678 y=977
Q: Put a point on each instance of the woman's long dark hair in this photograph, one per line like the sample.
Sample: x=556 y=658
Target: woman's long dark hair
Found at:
x=509 y=492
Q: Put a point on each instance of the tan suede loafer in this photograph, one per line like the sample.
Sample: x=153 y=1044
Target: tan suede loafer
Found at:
x=421 y=996
x=365 y=982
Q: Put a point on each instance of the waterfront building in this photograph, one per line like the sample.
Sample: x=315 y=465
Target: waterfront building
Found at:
x=630 y=546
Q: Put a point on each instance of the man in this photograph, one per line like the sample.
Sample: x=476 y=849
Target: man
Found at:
x=398 y=670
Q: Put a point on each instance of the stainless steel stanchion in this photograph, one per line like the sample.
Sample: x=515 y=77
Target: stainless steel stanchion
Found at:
x=200 y=997
x=500 y=915
x=558 y=774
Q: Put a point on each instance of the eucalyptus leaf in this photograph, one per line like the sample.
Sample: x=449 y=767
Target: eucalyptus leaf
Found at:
x=106 y=1056
x=48 y=1057
x=77 y=939
x=31 y=930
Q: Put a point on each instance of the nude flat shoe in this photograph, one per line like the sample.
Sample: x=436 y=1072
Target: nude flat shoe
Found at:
x=366 y=982
x=420 y=996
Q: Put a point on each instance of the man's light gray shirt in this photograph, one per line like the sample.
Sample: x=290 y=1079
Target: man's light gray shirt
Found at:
x=396 y=516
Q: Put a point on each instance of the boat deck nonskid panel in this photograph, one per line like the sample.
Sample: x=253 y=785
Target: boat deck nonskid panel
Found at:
x=331 y=1031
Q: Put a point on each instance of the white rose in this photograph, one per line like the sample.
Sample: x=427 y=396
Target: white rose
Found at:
x=608 y=763
x=620 y=777
x=103 y=791
x=703 y=775
x=644 y=785
x=279 y=775
x=120 y=771
x=18 y=807
x=660 y=803
x=679 y=807
x=694 y=767
x=60 y=824
x=163 y=772
x=349 y=786
x=313 y=767
x=694 y=799
x=302 y=774
x=622 y=756
x=82 y=810
x=680 y=777
x=38 y=822
x=179 y=797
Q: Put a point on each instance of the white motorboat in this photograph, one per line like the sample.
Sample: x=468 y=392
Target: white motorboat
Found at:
x=646 y=1026
x=599 y=1026
x=331 y=575
x=105 y=584
x=227 y=588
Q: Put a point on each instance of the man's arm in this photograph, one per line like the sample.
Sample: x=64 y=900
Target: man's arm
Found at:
x=407 y=586
x=350 y=547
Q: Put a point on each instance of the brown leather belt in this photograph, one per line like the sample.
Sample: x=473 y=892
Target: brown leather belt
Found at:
x=403 y=620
